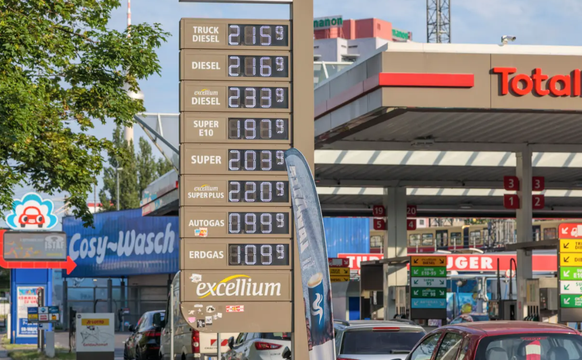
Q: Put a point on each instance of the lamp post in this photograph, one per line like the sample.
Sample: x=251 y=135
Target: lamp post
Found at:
x=118 y=170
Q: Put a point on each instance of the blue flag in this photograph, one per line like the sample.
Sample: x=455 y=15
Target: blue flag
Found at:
x=310 y=236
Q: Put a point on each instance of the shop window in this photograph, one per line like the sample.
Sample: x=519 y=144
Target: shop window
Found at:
x=414 y=240
x=550 y=234
x=456 y=239
x=427 y=239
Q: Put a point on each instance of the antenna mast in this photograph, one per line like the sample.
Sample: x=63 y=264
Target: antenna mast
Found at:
x=438 y=21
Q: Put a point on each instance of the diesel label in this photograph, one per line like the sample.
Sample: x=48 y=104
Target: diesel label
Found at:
x=205 y=34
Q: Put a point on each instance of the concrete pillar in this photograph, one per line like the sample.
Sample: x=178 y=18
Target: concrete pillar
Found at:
x=394 y=245
x=523 y=223
x=122 y=302
x=109 y=296
x=66 y=305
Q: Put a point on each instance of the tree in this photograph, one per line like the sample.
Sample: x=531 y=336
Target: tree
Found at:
x=60 y=64
x=138 y=172
x=146 y=164
x=123 y=157
x=164 y=166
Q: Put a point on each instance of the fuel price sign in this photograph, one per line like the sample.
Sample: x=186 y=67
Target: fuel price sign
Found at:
x=239 y=81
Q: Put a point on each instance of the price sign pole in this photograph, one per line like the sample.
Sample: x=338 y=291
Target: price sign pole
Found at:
x=246 y=96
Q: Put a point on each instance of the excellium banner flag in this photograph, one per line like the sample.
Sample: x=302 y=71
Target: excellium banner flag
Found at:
x=310 y=236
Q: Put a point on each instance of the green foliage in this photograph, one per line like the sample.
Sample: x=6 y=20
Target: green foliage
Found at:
x=59 y=63
x=164 y=166
x=138 y=172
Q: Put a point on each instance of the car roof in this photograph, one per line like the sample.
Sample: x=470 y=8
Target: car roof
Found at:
x=374 y=323
x=494 y=328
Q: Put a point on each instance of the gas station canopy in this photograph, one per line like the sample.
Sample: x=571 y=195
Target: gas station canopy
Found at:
x=442 y=120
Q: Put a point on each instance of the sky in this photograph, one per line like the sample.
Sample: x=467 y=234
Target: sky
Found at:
x=533 y=22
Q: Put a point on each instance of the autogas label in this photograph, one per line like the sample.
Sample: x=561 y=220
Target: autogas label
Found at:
x=428 y=272
x=428 y=282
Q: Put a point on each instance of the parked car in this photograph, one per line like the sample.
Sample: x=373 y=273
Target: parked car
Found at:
x=376 y=339
x=472 y=317
x=189 y=344
x=257 y=346
x=144 y=342
x=500 y=340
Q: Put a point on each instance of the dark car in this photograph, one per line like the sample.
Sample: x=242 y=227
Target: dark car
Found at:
x=500 y=340
x=472 y=317
x=144 y=342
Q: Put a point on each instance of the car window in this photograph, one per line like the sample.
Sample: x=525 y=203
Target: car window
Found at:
x=239 y=339
x=534 y=346
x=424 y=351
x=145 y=322
x=449 y=346
x=464 y=349
x=379 y=341
x=456 y=321
x=277 y=336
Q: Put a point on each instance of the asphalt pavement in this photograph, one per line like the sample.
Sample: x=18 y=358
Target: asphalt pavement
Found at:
x=62 y=340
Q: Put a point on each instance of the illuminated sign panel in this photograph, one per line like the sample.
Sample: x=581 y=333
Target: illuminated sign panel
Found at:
x=236 y=65
x=238 y=97
x=235 y=34
x=236 y=254
x=219 y=128
x=234 y=191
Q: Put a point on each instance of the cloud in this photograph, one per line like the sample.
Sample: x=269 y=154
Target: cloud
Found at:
x=31 y=212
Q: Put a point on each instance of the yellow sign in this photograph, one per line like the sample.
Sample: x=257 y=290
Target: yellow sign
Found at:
x=339 y=271
x=570 y=259
x=95 y=322
x=434 y=261
x=339 y=278
x=570 y=246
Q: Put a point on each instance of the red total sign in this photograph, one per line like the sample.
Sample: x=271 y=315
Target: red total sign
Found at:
x=523 y=84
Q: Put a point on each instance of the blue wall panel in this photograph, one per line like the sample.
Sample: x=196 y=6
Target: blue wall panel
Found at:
x=23 y=285
x=123 y=243
x=347 y=235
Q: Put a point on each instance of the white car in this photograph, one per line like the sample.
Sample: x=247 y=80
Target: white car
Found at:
x=257 y=346
x=376 y=339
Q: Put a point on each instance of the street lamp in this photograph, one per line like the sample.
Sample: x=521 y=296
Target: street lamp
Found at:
x=118 y=170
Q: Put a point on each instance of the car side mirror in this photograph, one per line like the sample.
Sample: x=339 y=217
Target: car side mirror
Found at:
x=131 y=328
x=231 y=342
x=286 y=353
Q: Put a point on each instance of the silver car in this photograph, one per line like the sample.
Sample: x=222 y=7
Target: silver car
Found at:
x=376 y=339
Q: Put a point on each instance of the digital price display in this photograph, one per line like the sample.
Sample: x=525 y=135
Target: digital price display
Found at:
x=258 y=97
x=258 y=191
x=258 y=35
x=256 y=160
x=214 y=159
x=258 y=129
x=265 y=223
x=236 y=96
x=258 y=66
x=258 y=254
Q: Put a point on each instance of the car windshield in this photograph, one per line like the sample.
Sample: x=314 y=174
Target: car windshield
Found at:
x=360 y=342
x=277 y=336
x=531 y=347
